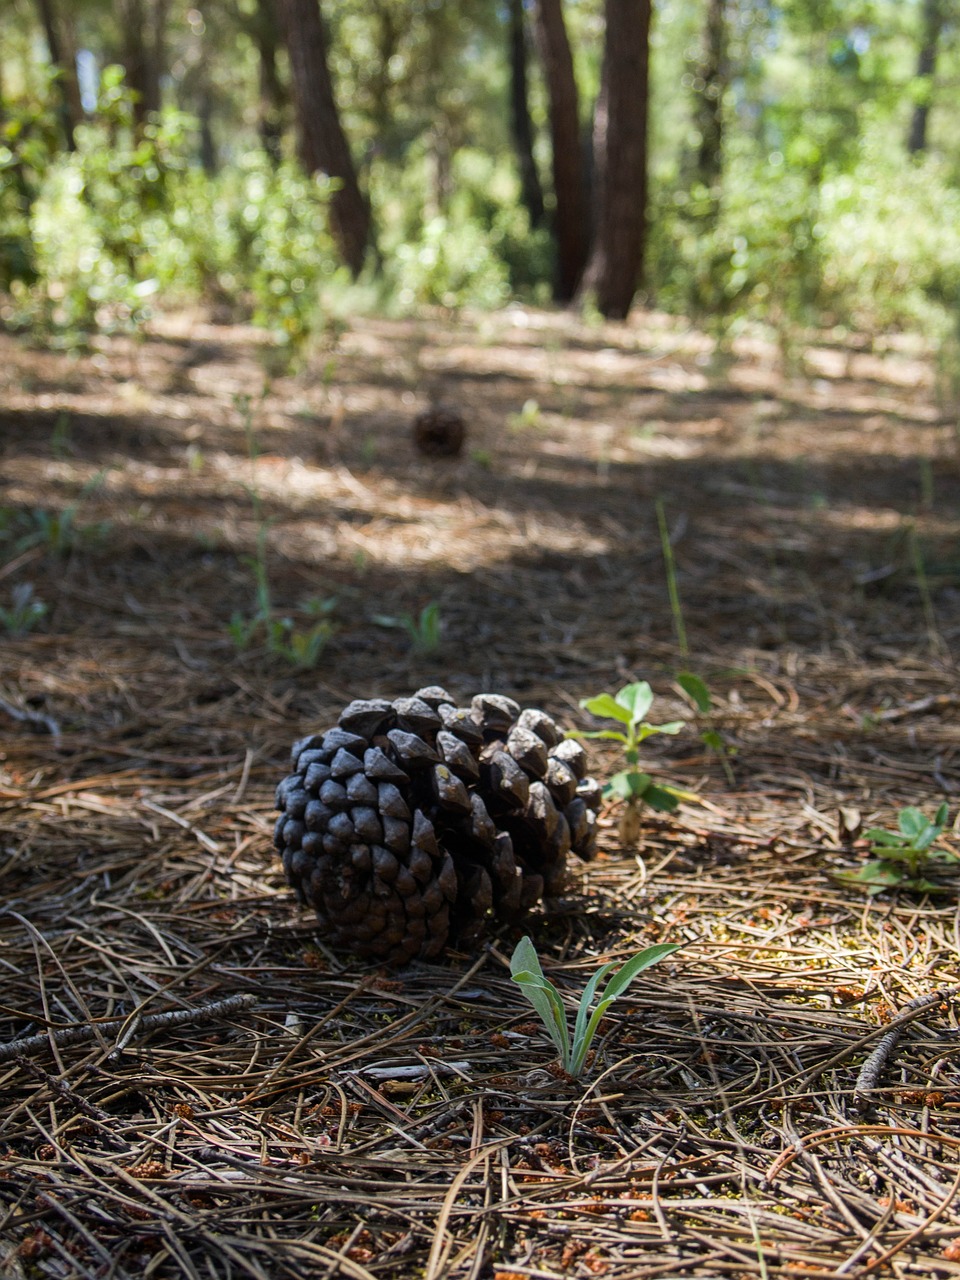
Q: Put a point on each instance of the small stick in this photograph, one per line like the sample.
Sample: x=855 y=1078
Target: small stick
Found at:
x=153 y=1021
x=872 y=1069
x=38 y=723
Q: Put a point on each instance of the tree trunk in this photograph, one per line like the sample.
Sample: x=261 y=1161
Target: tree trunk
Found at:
x=321 y=142
x=570 y=227
x=620 y=158
x=61 y=46
x=531 y=193
x=926 y=66
x=711 y=84
x=273 y=99
x=144 y=23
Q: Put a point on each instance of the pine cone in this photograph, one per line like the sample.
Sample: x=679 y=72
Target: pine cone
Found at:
x=414 y=823
x=439 y=432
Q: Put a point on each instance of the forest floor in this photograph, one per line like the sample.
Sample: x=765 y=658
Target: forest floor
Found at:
x=334 y=1119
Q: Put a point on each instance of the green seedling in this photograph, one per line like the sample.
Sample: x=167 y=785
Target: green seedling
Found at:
x=24 y=612
x=902 y=857
x=58 y=532
x=699 y=694
x=635 y=788
x=424 y=631
x=529 y=418
x=526 y=971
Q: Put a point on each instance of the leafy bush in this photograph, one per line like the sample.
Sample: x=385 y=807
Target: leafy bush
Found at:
x=28 y=141
x=128 y=216
x=873 y=244
x=759 y=257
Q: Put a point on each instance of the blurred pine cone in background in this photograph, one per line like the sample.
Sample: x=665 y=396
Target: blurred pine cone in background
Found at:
x=439 y=432
x=417 y=823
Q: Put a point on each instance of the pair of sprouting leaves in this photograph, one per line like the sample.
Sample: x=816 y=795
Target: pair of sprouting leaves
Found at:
x=546 y=999
x=902 y=856
x=629 y=708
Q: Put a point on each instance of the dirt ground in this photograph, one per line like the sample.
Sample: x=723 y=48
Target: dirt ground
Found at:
x=211 y=1091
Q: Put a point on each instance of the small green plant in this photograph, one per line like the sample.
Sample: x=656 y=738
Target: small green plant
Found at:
x=528 y=419
x=526 y=971
x=24 y=612
x=58 y=532
x=424 y=631
x=635 y=788
x=902 y=857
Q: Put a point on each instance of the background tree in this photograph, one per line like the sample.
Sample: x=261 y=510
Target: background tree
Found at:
x=932 y=22
x=59 y=33
x=620 y=158
x=570 y=213
x=531 y=191
x=321 y=142
x=709 y=89
x=143 y=26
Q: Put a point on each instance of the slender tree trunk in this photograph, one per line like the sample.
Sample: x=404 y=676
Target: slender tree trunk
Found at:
x=933 y=18
x=531 y=193
x=712 y=77
x=570 y=224
x=61 y=45
x=322 y=144
x=273 y=100
x=208 y=148
x=144 y=25
x=620 y=158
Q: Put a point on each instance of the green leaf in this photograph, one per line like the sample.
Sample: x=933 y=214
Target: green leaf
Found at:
x=614 y=988
x=628 y=785
x=912 y=822
x=621 y=980
x=545 y=998
x=696 y=689
x=877 y=835
x=710 y=738
x=583 y=1012
x=881 y=874
x=525 y=958
x=648 y=730
x=526 y=971
x=637 y=699
x=604 y=707
x=940 y=817
x=663 y=799
x=613 y=735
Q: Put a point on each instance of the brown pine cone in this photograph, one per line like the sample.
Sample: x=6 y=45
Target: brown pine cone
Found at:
x=439 y=432
x=416 y=823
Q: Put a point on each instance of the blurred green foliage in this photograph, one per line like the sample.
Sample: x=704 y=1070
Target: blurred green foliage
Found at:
x=814 y=214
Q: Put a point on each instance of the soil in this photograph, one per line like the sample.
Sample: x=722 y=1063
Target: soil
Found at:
x=336 y=1119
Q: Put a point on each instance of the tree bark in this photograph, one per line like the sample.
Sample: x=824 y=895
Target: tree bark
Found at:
x=273 y=99
x=144 y=24
x=933 y=19
x=620 y=157
x=58 y=32
x=531 y=192
x=712 y=76
x=570 y=222
x=321 y=142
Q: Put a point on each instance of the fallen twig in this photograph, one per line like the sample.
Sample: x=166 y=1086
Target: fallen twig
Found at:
x=152 y=1022
x=870 y=1072
x=36 y=720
